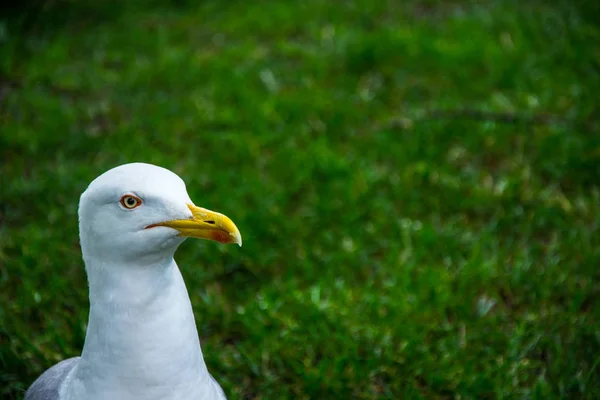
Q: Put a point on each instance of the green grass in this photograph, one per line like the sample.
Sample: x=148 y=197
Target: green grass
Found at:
x=417 y=184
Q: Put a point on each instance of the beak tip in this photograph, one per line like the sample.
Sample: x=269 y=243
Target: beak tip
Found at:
x=238 y=239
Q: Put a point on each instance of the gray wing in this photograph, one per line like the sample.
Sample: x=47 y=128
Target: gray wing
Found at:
x=46 y=386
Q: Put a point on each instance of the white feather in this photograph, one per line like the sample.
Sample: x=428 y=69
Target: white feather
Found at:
x=141 y=340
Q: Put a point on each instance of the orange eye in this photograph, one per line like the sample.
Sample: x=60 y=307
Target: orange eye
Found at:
x=130 y=201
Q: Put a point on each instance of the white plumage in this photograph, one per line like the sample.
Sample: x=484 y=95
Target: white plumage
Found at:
x=141 y=340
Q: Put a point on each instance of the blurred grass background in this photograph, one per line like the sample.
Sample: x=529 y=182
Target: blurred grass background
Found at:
x=417 y=184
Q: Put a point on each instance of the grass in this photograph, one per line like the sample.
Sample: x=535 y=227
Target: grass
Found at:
x=417 y=184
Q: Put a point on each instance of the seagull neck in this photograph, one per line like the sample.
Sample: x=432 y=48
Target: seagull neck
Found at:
x=141 y=329
x=132 y=284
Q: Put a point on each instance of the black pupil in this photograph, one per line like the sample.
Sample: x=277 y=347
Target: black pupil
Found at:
x=130 y=201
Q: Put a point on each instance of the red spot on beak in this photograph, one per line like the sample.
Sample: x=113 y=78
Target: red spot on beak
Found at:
x=221 y=237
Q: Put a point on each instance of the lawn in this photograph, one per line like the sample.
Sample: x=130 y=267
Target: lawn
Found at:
x=417 y=184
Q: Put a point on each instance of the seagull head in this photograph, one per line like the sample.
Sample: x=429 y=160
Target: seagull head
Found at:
x=137 y=211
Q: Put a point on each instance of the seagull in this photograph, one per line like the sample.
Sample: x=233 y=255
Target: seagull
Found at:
x=141 y=340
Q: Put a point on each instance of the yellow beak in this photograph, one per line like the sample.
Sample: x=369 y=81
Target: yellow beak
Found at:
x=205 y=224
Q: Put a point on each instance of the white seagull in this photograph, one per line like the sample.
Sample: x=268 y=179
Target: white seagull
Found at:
x=141 y=340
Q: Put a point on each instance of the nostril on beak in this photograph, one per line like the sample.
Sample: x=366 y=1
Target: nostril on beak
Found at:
x=210 y=222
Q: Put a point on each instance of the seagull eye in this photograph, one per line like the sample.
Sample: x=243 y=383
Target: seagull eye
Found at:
x=130 y=201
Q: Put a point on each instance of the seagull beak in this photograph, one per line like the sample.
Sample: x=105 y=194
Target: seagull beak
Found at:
x=205 y=224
